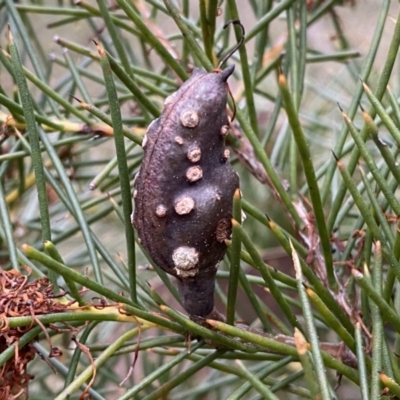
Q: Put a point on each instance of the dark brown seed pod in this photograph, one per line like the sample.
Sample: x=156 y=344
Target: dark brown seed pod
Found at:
x=184 y=190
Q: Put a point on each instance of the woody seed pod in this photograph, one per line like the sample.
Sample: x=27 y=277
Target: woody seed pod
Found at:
x=184 y=190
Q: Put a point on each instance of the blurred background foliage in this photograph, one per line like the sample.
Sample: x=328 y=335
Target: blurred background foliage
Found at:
x=317 y=290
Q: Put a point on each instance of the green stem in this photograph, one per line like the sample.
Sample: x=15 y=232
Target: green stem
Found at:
x=387 y=312
x=73 y=365
x=21 y=342
x=368 y=217
x=266 y=162
x=256 y=382
x=282 y=348
x=140 y=97
x=383 y=81
x=331 y=320
x=74 y=205
x=54 y=254
x=98 y=362
x=377 y=210
x=383 y=114
x=34 y=139
x=377 y=326
x=98 y=288
x=205 y=29
x=391 y=384
x=235 y=260
x=27 y=40
x=306 y=362
x=8 y=230
x=263 y=22
x=242 y=390
x=361 y=363
x=206 y=333
x=147 y=380
x=122 y=169
x=276 y=293
x=380 y=180
x=76 y=76
x=183 y=376
x=248 y=86
x=318 y=286
x=311 y=179
x=188 y=35
x=311 y=329
x=152 y=39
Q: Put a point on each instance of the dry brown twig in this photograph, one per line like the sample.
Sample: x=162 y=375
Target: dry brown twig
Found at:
x=20 y=297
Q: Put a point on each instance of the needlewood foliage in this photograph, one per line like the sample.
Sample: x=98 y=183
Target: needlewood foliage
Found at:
x=179 y=284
